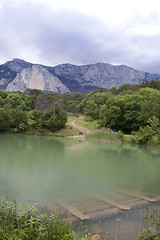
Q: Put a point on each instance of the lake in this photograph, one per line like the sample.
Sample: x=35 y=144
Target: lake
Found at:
x=46 y=170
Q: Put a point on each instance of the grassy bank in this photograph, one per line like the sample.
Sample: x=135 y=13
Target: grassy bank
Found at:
x=17 y=223
x=98 y=132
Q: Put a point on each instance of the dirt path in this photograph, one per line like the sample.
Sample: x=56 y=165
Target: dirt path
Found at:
x=76 y=125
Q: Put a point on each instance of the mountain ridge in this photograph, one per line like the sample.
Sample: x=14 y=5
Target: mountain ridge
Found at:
x=18 y=75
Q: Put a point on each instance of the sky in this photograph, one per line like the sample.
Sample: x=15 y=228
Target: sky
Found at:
x=53 y=32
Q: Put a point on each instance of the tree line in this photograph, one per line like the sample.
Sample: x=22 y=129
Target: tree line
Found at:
x=17 y=114
x=130 y=109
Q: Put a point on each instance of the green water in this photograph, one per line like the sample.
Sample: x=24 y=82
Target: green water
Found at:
x=43 y=169
x=37 y=168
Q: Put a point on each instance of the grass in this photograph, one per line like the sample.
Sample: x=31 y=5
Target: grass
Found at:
x=17 y=223
x=98 y=133
x=92 y=125
x=69 y=130
x=103 y=134
x=151 y=225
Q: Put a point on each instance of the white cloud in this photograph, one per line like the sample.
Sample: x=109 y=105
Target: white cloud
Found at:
x=81 y=31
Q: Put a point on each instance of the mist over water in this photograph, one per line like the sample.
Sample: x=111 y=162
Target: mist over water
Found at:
x=42 y=169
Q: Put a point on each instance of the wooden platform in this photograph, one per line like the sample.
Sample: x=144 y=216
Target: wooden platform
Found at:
x=103 y=206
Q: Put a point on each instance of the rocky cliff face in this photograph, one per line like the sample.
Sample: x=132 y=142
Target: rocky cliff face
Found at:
x=102 y=75
x=18 y=75
x=6 y=76
x=36 y=77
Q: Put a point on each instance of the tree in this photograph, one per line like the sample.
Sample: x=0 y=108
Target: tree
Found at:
x=18 y=120
x=4 y=120
x=54 y=119
x=149 y=133
x=111 y=114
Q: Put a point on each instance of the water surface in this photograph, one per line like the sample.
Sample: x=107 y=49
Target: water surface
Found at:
x=43 y=169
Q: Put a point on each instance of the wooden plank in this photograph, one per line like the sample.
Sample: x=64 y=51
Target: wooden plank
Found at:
x=141 y=196
x=104 y=214
x=72 y=210
x=98 y=207
x=112 y=202
x=154 y=196
x=85 y=203
x=138 y=203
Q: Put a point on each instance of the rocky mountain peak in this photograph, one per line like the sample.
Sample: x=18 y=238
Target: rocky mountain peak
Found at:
x=18 y=75
x=17 y=65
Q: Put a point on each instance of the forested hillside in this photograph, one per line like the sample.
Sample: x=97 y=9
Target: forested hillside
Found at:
x=130 y=109
x=17 y=114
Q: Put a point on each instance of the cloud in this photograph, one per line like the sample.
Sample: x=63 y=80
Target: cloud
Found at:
x=38 y=33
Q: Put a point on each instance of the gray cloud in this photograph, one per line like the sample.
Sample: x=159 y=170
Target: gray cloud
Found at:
x=35 y=33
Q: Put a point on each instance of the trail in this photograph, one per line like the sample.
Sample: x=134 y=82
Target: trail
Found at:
x=76 y=125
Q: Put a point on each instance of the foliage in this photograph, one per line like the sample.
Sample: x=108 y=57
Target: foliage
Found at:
x=129 y=112
x=13 y=112
x=54 y=119
x=106 y=135
x=149 y=133
x=151 y=226
x=15 y=117
x=4 y=120
x=15 y=100
x=91 y=104
x=25 y=224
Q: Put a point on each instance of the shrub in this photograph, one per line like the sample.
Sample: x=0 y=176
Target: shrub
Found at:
x=26 y=224
x=151 y=229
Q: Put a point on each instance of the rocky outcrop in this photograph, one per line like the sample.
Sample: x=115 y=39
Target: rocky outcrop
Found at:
x=36 y=77
x=17 y=65
x=102 y=75
x=6 y=76
x=18 y=75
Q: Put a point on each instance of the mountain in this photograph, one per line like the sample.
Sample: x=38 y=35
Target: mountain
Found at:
x=36 y=77
x=18 y=75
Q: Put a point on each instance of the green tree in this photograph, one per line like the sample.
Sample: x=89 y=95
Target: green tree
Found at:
x=18 y=120
x=4 y=120
x=111 y=114
x=149 y=133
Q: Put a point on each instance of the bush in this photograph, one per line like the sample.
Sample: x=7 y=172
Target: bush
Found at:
x=26 y=224
x=151 y=229
x=54 y=119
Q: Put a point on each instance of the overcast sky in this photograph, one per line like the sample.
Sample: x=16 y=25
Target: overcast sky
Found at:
x=79 y=32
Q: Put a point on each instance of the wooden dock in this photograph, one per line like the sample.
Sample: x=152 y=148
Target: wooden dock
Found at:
x=104 y=206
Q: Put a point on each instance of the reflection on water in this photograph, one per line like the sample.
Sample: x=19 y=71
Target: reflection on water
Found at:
x=49 y=167
x=42 y=169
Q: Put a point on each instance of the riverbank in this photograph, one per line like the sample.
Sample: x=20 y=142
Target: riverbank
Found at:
x=82 y=128
x=27 y=223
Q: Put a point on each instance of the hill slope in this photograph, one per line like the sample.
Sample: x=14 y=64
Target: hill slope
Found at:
x=18 y=75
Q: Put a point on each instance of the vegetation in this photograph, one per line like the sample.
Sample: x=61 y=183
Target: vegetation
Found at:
x=132 y=112
x=25 y=224
x=151 y=224
x=18 y=115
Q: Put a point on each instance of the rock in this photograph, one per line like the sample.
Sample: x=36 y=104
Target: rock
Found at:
x=17 y=65
x=101 y=75
x=36 y=77
x=68 y=77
